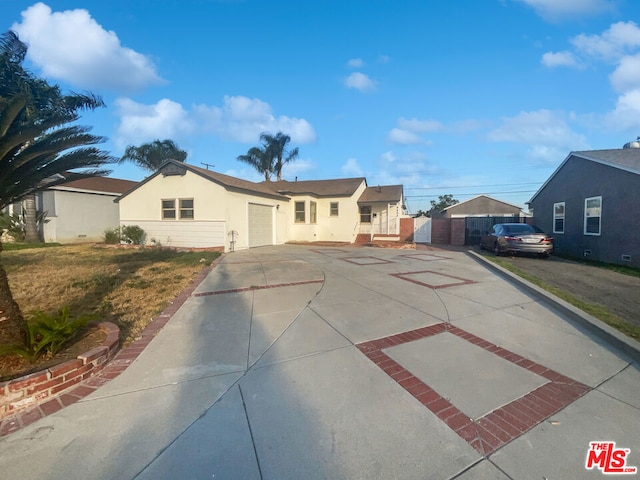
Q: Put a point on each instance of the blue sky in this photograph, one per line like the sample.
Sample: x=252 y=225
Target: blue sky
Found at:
x=460 y=97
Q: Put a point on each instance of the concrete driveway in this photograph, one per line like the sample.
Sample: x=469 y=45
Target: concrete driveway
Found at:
x=316 y=362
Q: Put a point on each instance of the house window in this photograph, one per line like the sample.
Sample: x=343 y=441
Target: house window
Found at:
x=300 y=215
x=333 y=209
x=365 y=214
x=169 y=209
x=592 y=215
x=558 y=217
x=313 y=212
x=186 y=209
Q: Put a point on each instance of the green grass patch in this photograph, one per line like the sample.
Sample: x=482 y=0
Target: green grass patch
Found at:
x=597 y=311
x=623 y=269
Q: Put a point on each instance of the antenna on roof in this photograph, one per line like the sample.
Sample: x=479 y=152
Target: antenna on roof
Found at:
x=208 y=165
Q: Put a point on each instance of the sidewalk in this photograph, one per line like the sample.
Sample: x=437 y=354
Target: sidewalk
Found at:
x=302 y=362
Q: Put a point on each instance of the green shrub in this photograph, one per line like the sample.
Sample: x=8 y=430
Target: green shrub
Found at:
x=112 y=236
x=46 y=334
x=14 y=225
x=133 y=234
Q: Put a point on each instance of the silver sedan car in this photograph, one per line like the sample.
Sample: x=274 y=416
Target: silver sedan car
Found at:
x=517 y=238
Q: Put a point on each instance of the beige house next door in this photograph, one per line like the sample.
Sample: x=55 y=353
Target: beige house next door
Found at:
x=260 y=225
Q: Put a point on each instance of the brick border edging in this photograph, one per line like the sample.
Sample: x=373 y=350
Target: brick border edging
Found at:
x=40 y=390
x=495 y=429
x=119 y=363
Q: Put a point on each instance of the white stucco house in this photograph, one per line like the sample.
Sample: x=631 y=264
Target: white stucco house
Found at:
x=185 y=206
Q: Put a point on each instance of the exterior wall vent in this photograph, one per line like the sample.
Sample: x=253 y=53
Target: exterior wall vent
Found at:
x=626 y=258
x=587 y=253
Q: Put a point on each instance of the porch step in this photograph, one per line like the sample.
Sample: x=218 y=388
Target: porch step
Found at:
x=363 y=238
x=386 y=238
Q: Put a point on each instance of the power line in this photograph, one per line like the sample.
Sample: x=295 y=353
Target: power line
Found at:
x=481 y=193
x=475 y=186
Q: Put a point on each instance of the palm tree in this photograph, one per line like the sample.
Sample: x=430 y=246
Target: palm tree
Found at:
x=37 y=142
x=259 y=158
x=152 y=155
x=275 y=145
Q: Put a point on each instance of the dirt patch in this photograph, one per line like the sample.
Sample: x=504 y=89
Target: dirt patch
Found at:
x=615 y=291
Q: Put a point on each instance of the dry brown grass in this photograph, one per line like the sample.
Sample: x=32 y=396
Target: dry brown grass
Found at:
x=127 y=287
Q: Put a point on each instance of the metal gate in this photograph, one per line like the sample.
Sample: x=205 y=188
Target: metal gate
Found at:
x=475 y=227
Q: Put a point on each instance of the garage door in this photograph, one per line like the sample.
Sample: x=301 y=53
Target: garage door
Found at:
x=260 y=225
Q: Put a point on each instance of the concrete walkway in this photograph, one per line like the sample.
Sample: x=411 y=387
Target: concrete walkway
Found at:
x=298 y=362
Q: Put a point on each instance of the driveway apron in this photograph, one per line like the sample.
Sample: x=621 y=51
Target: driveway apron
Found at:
x=310 y=362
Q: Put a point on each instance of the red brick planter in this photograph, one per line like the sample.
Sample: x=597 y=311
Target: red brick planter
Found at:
x=42 y=387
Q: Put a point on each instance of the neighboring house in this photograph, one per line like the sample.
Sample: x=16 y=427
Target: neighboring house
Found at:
x=482 y=206
x=591 y=205
x=186 y=206
x=79 y=210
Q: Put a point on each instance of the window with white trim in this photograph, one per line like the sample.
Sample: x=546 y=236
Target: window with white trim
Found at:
x=313 y=212
x=169 y=209
x=300 y=216
x=186 y=208
x=365 y=214
x=592 y=215
x=558 y=217
x=333 y=209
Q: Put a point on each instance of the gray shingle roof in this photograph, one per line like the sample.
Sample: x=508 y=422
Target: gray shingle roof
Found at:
x=226 y=181
x=624 y=158
x=384 y=193
x=341 y=187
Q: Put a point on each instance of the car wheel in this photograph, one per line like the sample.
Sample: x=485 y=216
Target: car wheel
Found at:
x=496 y=249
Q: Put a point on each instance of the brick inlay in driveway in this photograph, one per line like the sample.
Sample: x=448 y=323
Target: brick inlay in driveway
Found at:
x=431 y=279
x=256 y=287
x=425 y=257
x=498 y=427
x=329 y=251
x=365 y=260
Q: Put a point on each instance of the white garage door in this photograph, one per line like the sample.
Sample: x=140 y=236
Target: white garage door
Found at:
x=260 y=225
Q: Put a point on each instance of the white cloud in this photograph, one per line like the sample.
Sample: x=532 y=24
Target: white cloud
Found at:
x=142 y=123
x=626 y=76
x=355 y=63
x=360 y=81
x=71 y=46
x=626 y=115
x=547 y=134
x=239 y=119
x=351 y=168
x=403 y=137
x=555 y=10
x=618 y=40
x=243 y=119
x=560 y=59
x=408 y=130
x=421 y=126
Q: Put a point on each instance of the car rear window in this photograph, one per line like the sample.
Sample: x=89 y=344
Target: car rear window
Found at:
x=523 y=228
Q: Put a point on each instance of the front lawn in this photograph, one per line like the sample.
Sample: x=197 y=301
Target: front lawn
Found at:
x=128 y=287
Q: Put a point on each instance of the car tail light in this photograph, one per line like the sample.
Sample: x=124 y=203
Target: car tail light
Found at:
x=513 y=239
x=547 y=240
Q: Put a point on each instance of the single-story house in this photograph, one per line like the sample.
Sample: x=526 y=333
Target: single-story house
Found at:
x=79 y=210
x=186 y=206
x=481 y=206
x=591 y=205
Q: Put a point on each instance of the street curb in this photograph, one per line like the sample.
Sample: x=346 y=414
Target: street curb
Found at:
x=609 y=334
